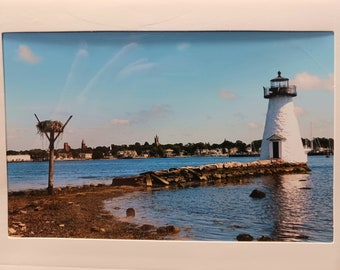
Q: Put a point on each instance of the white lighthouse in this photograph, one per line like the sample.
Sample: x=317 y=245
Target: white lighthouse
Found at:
x=281 y=136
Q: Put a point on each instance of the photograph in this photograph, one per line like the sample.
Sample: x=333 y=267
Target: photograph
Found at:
x=196 y=136
x=169 y=135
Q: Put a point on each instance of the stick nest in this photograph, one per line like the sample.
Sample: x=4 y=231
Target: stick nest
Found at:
x=49 y=126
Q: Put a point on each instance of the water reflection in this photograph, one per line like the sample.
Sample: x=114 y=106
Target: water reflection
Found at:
x=291 y=206
x=297 y=207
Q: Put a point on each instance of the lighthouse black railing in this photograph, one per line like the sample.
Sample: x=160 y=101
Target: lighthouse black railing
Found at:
x=269 y=92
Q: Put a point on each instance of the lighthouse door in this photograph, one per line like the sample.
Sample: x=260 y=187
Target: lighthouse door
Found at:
x=276 y=153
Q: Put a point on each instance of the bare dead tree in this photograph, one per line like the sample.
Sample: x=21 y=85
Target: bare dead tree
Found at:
x=52 y=130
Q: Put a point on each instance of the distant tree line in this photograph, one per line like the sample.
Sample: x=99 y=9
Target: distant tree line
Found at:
x=178 y=149
x=237 y=148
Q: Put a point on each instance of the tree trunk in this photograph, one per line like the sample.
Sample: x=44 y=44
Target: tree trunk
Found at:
x=51 y=166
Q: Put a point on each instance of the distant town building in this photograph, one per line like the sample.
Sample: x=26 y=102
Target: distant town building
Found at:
x=63 y=156
x=67 y=147
x=169 y=152
x=127 y=154
x=18 y=158
x=218 y=152
x=233 y=150
x=85 y=155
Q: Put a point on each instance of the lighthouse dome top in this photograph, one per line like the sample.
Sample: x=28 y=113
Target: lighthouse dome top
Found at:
x=279 y=78
x=279 y=86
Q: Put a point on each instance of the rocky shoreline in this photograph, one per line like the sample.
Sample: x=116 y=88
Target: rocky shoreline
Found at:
x=221 y=173
x=75 y=212
x=78 y=212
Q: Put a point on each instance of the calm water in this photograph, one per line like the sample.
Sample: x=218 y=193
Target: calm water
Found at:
x=295 y=206
x=34 y=175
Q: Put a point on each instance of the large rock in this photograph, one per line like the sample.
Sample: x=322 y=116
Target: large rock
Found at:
x=130 y=212
x=244 y=237
x=257 y=194
x=147 y=227
x=168 y=230
x=265 y=238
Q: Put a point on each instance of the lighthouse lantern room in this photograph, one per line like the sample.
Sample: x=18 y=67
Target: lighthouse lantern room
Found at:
x=279 y=86
x=281 y=136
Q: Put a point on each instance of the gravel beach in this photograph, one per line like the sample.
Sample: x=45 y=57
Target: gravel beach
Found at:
x=75 y=212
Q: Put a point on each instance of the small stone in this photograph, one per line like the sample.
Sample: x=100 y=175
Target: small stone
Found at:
x=95 y=229
x=11 y=231
x=168 y=229
x=236 y=226
x=23 y=212
x=244 y=237
x=130 y=212
x=257 y=194
x=203 y=178
x=147 y=227
x=61 y=225
x=302 y=236
x=219 y=165
x=265 y=238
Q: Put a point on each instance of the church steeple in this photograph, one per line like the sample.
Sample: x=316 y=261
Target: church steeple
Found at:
x=156 y=140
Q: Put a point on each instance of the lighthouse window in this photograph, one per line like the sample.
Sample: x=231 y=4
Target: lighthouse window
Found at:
x=284 y=84
x=279 y=84
x=275 y=84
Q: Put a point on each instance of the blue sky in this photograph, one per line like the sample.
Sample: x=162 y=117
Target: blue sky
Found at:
x=126 y=87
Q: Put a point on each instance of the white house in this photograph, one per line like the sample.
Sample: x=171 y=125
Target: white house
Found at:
x=17 y=158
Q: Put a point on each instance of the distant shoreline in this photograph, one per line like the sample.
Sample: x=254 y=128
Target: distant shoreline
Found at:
x=79 y=159
x=323 y=153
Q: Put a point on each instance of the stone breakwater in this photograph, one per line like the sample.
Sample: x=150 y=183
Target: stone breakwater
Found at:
x=221 y=173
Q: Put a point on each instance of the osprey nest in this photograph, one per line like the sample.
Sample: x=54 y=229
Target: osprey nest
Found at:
x=49 y=126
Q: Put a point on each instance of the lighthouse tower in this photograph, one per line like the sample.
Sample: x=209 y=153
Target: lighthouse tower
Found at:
x=281 y=136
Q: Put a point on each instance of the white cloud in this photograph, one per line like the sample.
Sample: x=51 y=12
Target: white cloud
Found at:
x=183 y=46
x=82 y=53
x=306 y=81
x=155 y=112
x=254 y=125
x=26 y=54
x=139 y=65
x=226 y=94
x=298 y=111
x=126 y=49
x=117 y=121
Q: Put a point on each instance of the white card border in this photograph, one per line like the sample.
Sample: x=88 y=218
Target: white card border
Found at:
x=152 y=15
